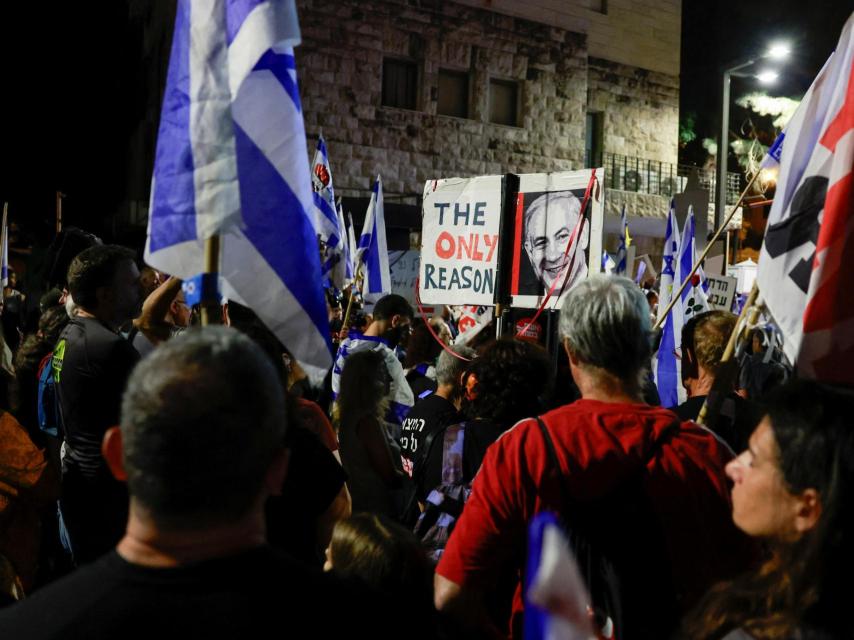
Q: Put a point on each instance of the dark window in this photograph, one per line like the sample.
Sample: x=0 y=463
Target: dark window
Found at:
x=593 y=140
x=400 y=83
x=453 y=93
x=504 y=102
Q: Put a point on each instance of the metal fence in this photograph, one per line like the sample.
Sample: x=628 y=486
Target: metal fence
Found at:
x=628 y=173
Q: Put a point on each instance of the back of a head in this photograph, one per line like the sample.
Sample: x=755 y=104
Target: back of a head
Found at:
x=706 y=336
x=512 y=376
x=605 y=320
x=381 y=553
x=421 y=346
x=202 y=418
x=392 y=305
x=93 y=268
x=67 y=244
x=364 y=387
x=450 y=368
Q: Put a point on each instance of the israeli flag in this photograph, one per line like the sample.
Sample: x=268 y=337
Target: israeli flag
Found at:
x=346 y=247
x=693 y=298
x=354 y=248
x=666 y=365
x=229 y=161
x=622 y=249
x=373 y=249
x=556 y=598
x=327 y=224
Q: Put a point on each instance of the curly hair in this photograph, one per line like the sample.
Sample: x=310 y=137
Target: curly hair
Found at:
x=511 y=378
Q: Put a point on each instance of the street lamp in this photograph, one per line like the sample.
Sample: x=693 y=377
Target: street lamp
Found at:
x=777 y=51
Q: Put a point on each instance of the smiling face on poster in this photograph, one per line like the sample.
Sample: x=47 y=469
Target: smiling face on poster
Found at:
x=548 y=217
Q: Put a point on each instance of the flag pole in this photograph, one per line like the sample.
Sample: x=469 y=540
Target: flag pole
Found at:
x=210 y=307
x=703 y=255
x=353 y=285
x=751 y=308
x=59 y=196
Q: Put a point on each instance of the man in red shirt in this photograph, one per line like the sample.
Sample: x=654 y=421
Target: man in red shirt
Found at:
x=648 y=491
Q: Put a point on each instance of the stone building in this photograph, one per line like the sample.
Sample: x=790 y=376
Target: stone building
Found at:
x=417 y=90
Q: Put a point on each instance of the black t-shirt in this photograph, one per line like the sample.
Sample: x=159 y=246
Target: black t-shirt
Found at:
x=429 y=414
x=738 y=418
x=91 y=367
x=314 y=479
x=253 y=594
x=479 y=434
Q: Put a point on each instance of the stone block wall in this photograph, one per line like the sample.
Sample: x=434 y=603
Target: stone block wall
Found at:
x=340 y=72
x=640 y=107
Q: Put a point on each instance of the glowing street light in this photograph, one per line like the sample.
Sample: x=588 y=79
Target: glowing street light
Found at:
x=776 y=51
x=767 y=77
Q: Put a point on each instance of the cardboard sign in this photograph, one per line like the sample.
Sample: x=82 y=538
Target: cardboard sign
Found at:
x=722 y=291
x=548 y=208
x=471 y=319
x=461 y=219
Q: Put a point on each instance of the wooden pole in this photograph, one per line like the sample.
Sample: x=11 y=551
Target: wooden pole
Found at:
x=751 y=308
x=353 y=285
x=59 y=197
x=702 y=257
x=211 y=308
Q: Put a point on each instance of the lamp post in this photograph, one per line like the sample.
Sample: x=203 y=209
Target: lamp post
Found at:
x=777 y=51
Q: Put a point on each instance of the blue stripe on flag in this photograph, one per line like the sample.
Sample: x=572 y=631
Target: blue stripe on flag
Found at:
x=280 y=65
x=372 y=260
x=236 y=12
x=173 y=210
x=666 y=378
x=323 y=206
x=280 y=229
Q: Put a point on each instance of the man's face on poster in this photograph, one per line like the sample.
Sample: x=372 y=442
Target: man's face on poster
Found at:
x=549 y=223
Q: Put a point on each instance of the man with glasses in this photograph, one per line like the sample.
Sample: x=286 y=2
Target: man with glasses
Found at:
x=165 y=314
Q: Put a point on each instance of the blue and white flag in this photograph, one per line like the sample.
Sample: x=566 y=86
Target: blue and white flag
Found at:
x=666 y=365
x=556 y=600
x=327 y=224
x=346 y=248
x=231 y=133
x=608 y=264
x=354 y=248
x=693 y=298
x=622 y=250
x=373 y=249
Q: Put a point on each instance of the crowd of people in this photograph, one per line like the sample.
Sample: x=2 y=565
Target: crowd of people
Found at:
x=157 y=475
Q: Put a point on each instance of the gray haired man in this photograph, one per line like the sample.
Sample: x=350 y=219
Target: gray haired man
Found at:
x=646 y=492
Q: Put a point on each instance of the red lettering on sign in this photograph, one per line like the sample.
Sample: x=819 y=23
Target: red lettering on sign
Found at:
x=445 y=245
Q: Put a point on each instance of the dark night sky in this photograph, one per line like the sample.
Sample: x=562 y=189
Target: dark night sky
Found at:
x=72 y=81
x=716 y=33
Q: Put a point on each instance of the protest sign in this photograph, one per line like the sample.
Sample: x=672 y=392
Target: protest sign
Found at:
x=722 y=290
x=459 y=240
x=548 y=207
x=470 y=319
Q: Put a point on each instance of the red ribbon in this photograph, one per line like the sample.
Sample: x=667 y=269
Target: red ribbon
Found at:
x=566 y=262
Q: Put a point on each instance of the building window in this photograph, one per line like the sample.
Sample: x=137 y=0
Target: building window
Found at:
x=400 y=84
x=453 y=93
x=593 y=140
x=504 y=102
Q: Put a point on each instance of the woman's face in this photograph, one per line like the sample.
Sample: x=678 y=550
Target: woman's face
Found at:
x=762 y=505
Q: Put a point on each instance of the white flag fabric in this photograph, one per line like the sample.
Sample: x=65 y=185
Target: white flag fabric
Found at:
x=373 y=249
x=230 y=131
x=346 y=248
x=327 y=224
x=556 y=599
x=806 y=265
x=354 y=248
x=665 y=365
x=694 y=298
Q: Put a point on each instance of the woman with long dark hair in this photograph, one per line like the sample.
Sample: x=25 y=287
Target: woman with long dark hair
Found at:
x=793 y=489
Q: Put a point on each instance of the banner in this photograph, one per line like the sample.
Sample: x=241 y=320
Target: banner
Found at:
x=459 y=240
x=548 y=208
x=470 y=319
